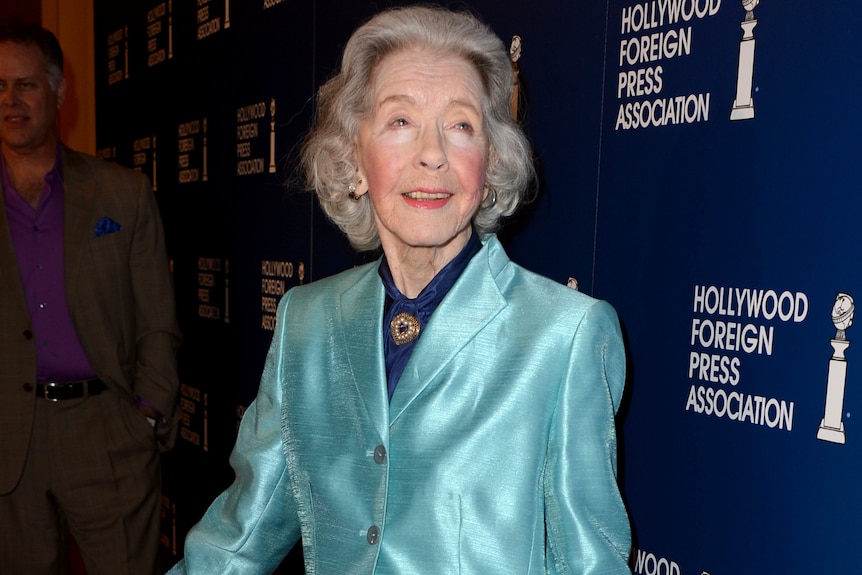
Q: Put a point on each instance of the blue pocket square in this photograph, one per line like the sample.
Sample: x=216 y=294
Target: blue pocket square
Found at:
x=106 y=226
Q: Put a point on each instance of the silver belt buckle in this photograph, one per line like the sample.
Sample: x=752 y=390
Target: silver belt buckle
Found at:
x=48 y=385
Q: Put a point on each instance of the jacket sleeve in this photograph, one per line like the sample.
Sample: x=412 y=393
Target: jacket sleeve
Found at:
x=157 y=333
x=587 y=525
x=252 y=525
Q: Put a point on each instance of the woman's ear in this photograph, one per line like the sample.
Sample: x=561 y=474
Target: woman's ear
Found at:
x=361 y=183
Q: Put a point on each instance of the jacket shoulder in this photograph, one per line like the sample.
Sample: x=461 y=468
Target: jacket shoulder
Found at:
x=532 y=291
x=332 y=286
x=80 y=163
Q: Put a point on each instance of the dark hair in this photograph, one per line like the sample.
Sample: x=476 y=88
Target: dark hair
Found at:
x=26 y=33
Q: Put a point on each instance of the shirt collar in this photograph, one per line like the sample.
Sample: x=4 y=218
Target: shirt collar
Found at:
x=53 y=176
x=426 y=302
x=396 y=356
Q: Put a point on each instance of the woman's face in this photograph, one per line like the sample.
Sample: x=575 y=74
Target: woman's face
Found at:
x=422 y=152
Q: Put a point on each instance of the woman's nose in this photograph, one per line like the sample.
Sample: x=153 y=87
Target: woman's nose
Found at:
x=432 y=154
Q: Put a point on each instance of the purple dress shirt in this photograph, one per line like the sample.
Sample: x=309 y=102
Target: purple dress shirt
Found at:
x=37 y=235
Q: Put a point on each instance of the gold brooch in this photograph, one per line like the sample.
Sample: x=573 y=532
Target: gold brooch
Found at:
x=404 y=328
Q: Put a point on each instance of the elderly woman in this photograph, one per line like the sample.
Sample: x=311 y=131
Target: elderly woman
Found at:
x=442 y=410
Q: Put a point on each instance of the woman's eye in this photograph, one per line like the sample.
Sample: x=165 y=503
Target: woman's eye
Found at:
x=399 y=122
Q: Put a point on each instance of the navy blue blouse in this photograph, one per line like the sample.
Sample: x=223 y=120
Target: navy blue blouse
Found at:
x=419 y=308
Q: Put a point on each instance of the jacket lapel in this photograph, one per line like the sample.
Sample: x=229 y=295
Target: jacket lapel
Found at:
x=361 y=317
x=80 y=194
x=470 y=305
x=10 y=278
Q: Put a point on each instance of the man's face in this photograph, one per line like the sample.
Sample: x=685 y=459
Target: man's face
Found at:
x=28 y=103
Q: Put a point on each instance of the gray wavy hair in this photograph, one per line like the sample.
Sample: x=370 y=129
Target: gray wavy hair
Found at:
x=328 y=153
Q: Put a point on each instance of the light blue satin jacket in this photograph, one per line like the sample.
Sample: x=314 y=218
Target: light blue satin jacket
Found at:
x=497 y=454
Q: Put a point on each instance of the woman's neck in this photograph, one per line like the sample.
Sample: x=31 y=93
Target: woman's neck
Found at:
x=413 y=267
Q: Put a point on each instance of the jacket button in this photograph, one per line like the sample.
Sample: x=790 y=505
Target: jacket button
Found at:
x=373 y=535
x=28 y=334
x=379 y=454
x=28 y=387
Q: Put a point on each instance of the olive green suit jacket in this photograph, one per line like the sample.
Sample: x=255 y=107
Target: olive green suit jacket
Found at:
x=120 y=296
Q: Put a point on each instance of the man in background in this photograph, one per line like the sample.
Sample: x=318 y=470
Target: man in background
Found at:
x=88 y=336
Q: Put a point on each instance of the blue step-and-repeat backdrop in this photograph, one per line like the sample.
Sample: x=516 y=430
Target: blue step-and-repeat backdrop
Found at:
x=699 y=169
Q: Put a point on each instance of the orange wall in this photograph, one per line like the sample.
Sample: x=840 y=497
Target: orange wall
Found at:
x=72 y=22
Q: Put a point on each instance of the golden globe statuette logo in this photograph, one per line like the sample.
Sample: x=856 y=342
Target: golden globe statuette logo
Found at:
x=272 y=136
x=206 y=442
x=206 y=175
x=126 y=51
x=170 y=29
x=831 y=426
x=515 y=55
x=155 y=166
x=743 y=106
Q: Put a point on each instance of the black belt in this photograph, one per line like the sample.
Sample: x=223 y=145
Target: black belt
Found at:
x=56 y=391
